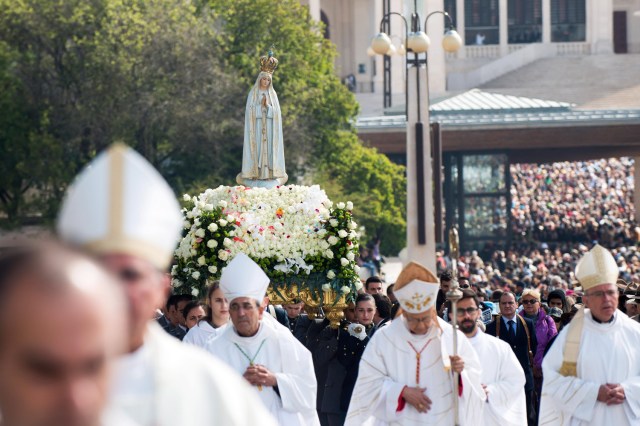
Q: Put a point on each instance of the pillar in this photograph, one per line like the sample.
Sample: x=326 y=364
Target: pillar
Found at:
x=600 y=26
x=636 y=187
x=504 y=28
x=419 y=191
x=546 y=21
x=460 y=27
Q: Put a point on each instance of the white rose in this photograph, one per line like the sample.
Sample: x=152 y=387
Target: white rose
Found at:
x=326 y=287
x=190 y=215
x=328 y=254
x=230 y=219
x=351 y=256
x=343 y=261
x=223 y=204
x=340 y=205
x=200 y=233
x=352 y=225
x=193 y=252
x=333 y=240
x=208 y=207
x=212 y=244
x=186 y=197
x=213 y=269
x=223 y=255
x=345 y=289
x=322 y=232
x=222 y=222
x=232 y=233
x=356 y=269
x=212 y=227
x=176 y=283
x=331 y=275
x=195 y=275
x=174 y=270
x=359 y=285
x=333 y=222
x=202 y=261
x=349 y=205
x=195 y=292
x=342 y=233
x=227 y=242
x=186 y=224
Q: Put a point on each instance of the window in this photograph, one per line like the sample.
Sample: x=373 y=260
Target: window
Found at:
x=525 y=21
x=568 y=18
x=482 y=21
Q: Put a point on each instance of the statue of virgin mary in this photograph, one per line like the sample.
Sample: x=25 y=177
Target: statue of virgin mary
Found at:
x=263 y=149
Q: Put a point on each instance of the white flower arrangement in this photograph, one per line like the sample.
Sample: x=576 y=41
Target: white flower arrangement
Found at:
x=295 y=233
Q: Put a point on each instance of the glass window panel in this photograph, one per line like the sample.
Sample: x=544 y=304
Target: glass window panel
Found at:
x=484 y=173
x=525 y=21
x=485 y=217
x=481 y=21
x=568 y=18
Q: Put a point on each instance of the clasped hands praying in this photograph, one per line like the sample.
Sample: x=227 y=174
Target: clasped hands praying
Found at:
x=611 y=394
x=416 y=396
x=259 y=375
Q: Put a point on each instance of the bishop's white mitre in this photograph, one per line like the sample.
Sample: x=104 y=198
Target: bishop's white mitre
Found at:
x=120 y=204
x=243 y=277
x=597 y=267
x=416 y=288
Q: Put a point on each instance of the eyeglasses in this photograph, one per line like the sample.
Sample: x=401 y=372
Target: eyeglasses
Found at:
x=602 y=293
x=529 y=302
x=462 y=311
x=425 y=320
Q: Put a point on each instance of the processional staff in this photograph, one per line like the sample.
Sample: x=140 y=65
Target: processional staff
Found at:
x=453 y=295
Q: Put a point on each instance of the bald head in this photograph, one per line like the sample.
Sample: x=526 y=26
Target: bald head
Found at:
x=61 y=326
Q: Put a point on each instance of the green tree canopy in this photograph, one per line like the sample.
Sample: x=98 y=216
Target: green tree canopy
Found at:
x=170 y=78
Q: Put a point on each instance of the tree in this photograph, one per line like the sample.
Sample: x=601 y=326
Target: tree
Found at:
x=170 y=78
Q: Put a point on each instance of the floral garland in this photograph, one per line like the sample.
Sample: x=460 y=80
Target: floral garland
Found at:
x=293 y=232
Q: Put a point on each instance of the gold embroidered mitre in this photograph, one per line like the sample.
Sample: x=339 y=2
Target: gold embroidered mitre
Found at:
x=268 y=63
x=597 y=267
x=416 y=288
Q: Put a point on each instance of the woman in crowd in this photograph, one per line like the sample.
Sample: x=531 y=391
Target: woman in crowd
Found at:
x=545 y=329
x=193 y=312
x=211 y=325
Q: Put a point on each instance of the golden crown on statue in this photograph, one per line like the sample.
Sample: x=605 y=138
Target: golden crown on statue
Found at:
x=268 y=63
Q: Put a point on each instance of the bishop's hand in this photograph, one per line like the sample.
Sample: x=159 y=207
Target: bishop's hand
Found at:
x=457 y=364
x=416 y=397
x=259 y=375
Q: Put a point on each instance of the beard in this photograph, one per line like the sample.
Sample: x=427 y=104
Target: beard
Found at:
x=467 y=326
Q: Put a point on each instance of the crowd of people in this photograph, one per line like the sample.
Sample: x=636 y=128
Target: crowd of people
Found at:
x=570 y=202
x=547 y=338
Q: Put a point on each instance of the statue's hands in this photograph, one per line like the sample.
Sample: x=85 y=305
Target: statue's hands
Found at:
x=264 y=101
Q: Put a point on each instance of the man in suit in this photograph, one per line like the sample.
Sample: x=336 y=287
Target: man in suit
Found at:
x=299 y=322
x=510 y=327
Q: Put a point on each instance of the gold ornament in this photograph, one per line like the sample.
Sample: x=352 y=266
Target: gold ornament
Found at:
x=269 y=63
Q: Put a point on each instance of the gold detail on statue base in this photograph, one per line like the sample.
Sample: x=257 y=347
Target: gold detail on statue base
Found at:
x=332 y=306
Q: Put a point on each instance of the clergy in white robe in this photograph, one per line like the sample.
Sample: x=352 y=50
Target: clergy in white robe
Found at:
x=160 y=382
x=270 y=358
x=502 y=375
x=592 y=370
x=202 y=333
x=405 y=375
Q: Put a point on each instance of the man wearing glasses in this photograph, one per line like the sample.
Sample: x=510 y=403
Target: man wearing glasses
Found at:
x=592 y=371
x=502 y=375
x=520 y=334
x=406 y=372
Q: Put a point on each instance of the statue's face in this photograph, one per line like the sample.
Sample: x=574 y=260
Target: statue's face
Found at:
x=265 y=81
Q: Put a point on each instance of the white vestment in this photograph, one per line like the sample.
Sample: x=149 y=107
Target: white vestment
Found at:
x=609 y=353
x=503 y=376
x=389 y=364
x=201 y=333
x=283 y=355
x=166 y=383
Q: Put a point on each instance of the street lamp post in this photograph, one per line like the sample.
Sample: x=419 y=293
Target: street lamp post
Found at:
x=420 y=218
